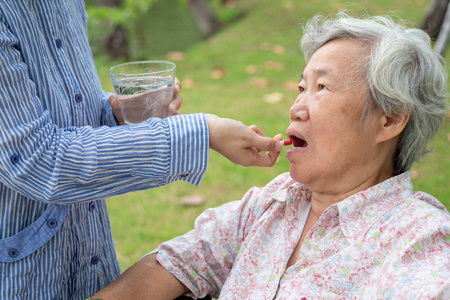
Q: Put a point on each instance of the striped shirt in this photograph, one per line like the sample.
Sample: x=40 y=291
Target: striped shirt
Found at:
x=62 y=153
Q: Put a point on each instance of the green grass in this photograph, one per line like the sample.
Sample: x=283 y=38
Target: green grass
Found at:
x=142 y=220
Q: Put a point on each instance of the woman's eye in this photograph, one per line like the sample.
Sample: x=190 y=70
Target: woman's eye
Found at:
x=322 y=87
x=301 y=89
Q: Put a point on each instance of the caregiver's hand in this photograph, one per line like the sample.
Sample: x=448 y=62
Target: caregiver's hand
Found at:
x=174 y=106
x=242 y=144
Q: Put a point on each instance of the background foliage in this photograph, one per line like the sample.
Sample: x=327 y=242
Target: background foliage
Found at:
x=247 y=71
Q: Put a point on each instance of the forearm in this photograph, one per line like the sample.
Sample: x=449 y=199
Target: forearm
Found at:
x=81 y=162
x=146 y=279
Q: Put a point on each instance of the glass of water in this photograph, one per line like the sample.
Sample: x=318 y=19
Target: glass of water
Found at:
x=144 y=89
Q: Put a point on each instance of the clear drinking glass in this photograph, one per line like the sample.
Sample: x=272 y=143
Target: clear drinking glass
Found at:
x=144 y=89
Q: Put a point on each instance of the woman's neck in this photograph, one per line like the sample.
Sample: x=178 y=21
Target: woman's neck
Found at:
x=321 y=200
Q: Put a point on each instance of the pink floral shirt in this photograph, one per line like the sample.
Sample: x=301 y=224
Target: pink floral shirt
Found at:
x=386 y=242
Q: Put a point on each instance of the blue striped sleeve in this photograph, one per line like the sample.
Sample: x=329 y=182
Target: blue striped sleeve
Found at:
x=80 y=164
x=107 y=117
x=50 y=163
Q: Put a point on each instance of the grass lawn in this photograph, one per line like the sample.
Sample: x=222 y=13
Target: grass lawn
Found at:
x=248 y=71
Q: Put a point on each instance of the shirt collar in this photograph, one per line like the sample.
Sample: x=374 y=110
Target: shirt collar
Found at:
x=291 y=191
x=359 y=212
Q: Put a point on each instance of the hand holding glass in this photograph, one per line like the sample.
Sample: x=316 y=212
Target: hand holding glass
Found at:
x=144 y=89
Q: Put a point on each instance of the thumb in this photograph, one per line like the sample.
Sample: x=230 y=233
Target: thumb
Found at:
x=113 y=102
x=115 y=106
x=263 y=143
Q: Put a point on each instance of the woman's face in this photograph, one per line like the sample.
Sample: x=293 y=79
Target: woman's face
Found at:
x=332 y=148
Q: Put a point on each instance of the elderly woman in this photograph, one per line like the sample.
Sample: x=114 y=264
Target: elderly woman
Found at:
x=345 y=222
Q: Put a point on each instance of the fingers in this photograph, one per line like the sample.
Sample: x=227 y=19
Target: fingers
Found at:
x=242 y=145
x=177 y=85
x=249 y=153
x=177 y=100
x=273 y=155
x=278 y=138
x=113 y=102
x=265 y=160
x=115 y=106
x=175 y=104
x=256 y=129
x=263 y=143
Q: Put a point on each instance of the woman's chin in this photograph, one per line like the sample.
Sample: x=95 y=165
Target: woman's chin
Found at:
x=299 y=175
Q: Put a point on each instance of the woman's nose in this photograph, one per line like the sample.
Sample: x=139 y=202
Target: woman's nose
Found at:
x=299 y=111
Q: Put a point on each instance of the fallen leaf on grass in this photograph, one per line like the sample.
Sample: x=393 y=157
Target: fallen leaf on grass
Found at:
x=192 y=200
x=291 y=85
x=278 y=49
x=448 y=137
x=217 y=73
x=448 y=113
x=274 y=65
x=288 y=6
x=175 y=55
x=273 y=98
x=187 y=83
x=251 y=69
x=259 y=82
x=265 y=46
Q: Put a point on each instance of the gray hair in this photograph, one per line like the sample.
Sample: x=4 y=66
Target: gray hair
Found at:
x=404 y=75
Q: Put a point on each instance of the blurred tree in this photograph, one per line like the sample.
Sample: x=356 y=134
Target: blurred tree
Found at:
x=117 y=27
x=115 y=43
x=111 y=3
x=229 y=3
x=437 y=24
x=435 y=17
x=444 y=33
x=206 y=19
x=123 y=17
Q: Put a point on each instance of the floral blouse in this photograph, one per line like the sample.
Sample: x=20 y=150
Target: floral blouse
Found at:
x=386 y=242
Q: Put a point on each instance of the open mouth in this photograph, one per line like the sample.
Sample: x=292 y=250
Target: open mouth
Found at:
x=298 y=142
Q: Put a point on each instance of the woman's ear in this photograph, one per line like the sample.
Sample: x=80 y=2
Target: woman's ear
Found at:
x=391 y=127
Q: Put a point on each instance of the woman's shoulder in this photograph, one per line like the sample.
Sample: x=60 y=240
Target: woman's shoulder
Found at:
x=424 y=199
x=425 y=206
x=422 y=214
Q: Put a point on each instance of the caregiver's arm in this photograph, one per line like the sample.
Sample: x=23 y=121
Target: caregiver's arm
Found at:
x=146 y=279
